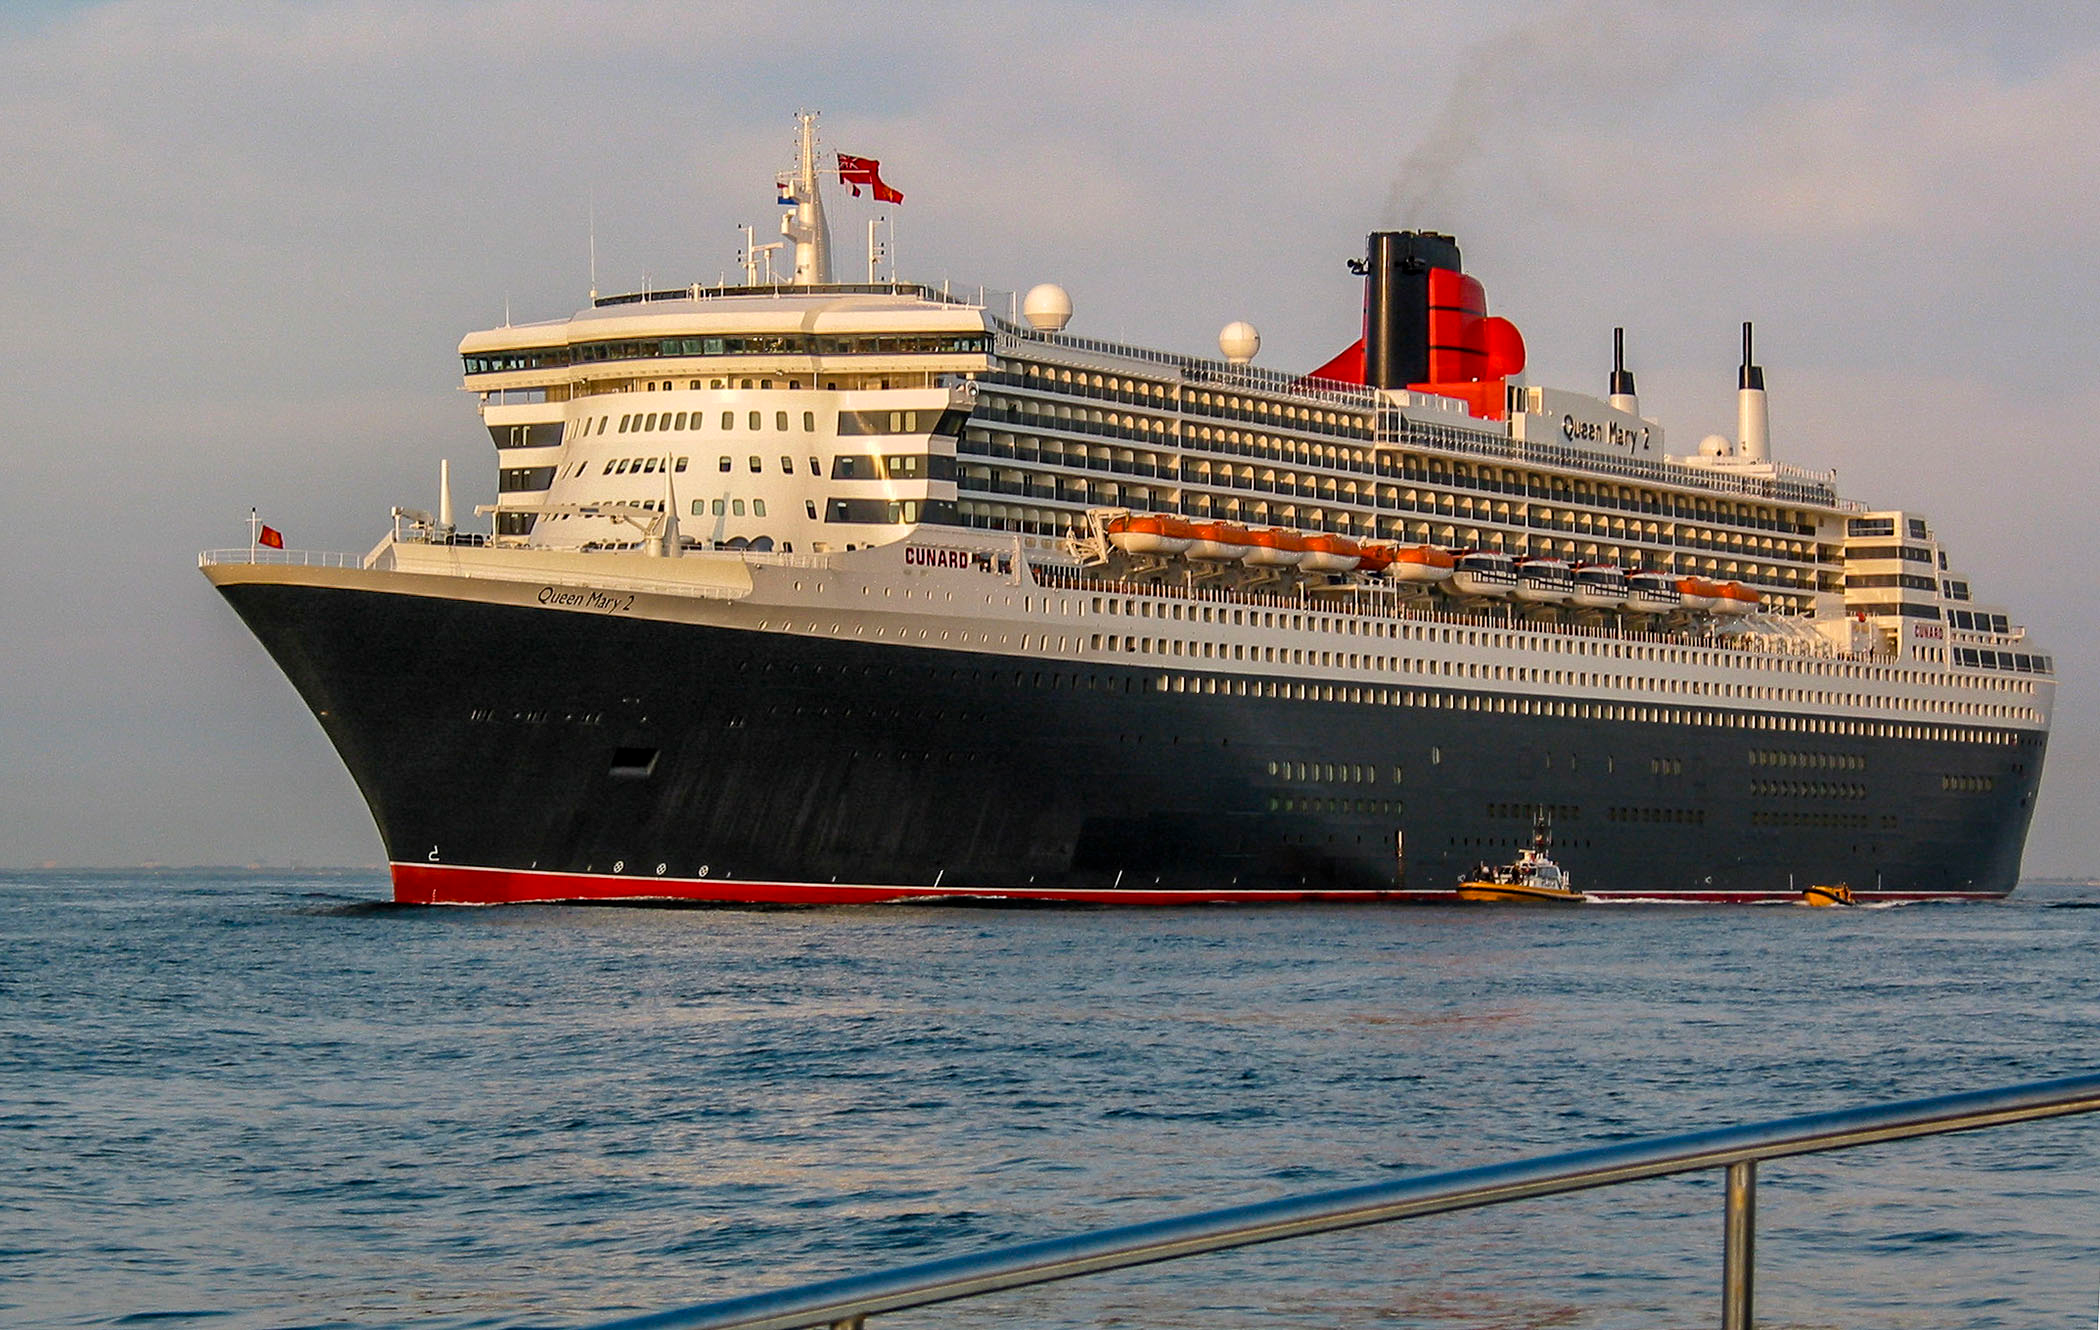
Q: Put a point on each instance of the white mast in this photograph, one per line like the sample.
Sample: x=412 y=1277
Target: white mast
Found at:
x=806 y=225
x=1753 y=428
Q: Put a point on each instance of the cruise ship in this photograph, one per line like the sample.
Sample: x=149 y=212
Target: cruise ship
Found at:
x=801 y=590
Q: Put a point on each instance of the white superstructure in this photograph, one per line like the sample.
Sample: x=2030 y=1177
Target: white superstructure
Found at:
x=818 y=419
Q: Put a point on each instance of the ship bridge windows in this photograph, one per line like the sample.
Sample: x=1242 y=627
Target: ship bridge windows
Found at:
x=1907 y=553
x=890 y=511
x=1980 y=622
x=520 y=479
x=527 y=436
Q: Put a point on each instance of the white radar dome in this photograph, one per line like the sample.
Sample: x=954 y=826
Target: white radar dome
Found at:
x=1239 y=341
x=1047 y=308
x=1715 y=445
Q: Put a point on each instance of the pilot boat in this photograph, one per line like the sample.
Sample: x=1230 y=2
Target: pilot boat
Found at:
x=1531 y=879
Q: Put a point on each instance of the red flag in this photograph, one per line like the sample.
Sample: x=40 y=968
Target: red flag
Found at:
x=272 y=537
x=857 y=171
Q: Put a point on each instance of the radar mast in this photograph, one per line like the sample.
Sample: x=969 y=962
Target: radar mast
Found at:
x=805 y=226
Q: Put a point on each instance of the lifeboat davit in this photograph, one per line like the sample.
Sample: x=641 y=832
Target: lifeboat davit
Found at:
x=1599 y=586
x=1544 y=581
x=1150 y=533
x=1218 y=542
x=1652 y=593
x=1331 y=554
x=1421 y=563
x=1696 y=593
x=1735 y=599
x=1273 y=547
x=1483 y=573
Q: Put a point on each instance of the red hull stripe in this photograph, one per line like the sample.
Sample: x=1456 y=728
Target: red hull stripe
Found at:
x=451 y=884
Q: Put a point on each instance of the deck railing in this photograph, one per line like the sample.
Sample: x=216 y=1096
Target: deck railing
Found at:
x=846 y=1303
x=265 y=554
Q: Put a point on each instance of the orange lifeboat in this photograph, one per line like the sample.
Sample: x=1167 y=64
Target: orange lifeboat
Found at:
x=1218 y=542
x=1736 y=599
x=1374 y=556
x=1421 y=563
x=1273 y=547
x=1149 y=533
x=1331 y=554
x=1696 y=593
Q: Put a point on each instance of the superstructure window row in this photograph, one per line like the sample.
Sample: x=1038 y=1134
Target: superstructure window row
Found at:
x=1977 y=658
x=1907 y=553
x=1977 y=621
x=649 y=422
x=641 y=466
x=890 y=512
x=749 y=344
x=1187 y=398
x=1421 y=469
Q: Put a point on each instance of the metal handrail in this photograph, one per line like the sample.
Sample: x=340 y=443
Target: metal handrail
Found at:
x=845 y=1302
x=295 y=558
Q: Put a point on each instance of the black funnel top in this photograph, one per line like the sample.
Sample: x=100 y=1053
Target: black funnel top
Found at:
x=1396 y=304
x=1751 y=375
x=1621 y=377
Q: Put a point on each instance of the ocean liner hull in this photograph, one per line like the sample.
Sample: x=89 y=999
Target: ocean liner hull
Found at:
x=513 y=751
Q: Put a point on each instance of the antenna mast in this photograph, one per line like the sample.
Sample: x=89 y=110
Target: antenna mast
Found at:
x=805 y=226
x=878 y=251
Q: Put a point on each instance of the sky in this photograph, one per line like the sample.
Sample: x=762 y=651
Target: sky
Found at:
x=244 y=240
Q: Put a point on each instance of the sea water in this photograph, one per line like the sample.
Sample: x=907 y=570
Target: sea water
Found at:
x=247 y=1100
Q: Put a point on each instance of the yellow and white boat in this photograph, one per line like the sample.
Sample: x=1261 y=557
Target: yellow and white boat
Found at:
x=1533 y=879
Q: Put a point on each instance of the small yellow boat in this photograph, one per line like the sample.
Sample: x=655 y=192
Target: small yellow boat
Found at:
x=1835 y=895
x=1533 y=879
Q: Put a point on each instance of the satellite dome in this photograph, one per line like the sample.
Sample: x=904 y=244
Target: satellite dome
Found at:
x=1239 y=341
x=1715 y=445
x=1047 y=308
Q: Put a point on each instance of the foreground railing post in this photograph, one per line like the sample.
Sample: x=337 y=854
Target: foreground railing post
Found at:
x=1739 y=1245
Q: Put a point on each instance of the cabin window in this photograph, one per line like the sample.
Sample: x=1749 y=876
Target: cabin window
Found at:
x=758 y=507
x=757 y=465
x=780 y=420
x=679 y=423
x=718 y=507
x=681 y=465
x=729 y=420
x=787 y=466
x=624 y=422
x=755 y=418
x=725 y=464
x=736 y=507
x=809 y=422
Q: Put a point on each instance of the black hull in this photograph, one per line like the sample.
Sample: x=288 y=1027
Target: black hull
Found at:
x=578 y=750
